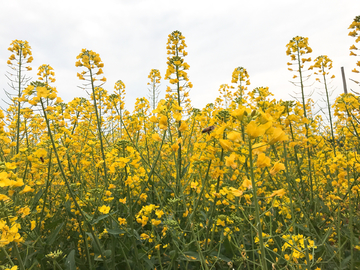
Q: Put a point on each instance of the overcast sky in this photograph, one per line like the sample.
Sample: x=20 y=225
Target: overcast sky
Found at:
x=131 y=37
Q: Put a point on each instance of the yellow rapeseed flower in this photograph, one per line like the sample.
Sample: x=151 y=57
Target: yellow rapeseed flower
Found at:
x=262 y=161
x=278 y=135
x=259 y=148
x=247 y=184
x=234 y=136
x=280 y=193
x=42 y=92
x=32 y=224
x=122 y=221
x=230 y=161
x=163 y=123
x=104 y=209
x=254 y=130
x=277 y=167
x=26 y=190
x=226 y=145
x=156 y=137
x=183 y=126
x=4 y=198
x=235 y=192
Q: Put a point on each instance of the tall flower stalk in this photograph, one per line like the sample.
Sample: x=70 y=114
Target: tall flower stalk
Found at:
x=323 y=64
x=240 y=77
x=92 y=62
x=119 y=103
x=178 y=78
x=154 y=84
x=297 y=48
x=21 y=56
x=355 y=26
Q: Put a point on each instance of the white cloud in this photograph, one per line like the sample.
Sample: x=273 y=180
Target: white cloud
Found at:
x=131 y=37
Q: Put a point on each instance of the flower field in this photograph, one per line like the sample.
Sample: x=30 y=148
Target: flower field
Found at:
x=248 y=182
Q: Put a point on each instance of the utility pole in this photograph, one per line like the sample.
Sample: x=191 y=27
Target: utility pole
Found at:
x=344 y=81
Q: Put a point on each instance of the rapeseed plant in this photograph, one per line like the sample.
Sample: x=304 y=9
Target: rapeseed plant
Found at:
x=246 y=182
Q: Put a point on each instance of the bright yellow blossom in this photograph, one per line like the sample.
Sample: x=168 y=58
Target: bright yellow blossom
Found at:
x=104 y=209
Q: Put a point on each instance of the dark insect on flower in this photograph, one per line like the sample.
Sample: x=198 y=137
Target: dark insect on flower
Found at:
x=208 y=129
x=42 y=159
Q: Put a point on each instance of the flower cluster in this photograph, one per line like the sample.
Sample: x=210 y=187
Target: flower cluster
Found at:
x=355 y=33
x=155 y=78
x=21 y=51
x=322 y=64
x=248 y=181
x=297 y=47
x=176 y=67
x=91 y=61
x=46 y=73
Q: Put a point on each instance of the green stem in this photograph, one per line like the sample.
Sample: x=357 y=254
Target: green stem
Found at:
x=46 y=194
x=213 y=206
x=98 y=121
x=131 y=215
x=7 y=256
x=19 y=106
x=350 y=220
x=306 y=125
x=257 y=210
x=16 y=250
x=329 y=111
x=67 y=182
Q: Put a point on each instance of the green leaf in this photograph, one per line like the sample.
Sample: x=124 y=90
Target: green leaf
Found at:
x=115 y=231
x=96 y=248
x=107 y=255
x=344 y=263
x=136 y=234
x=35 y=264
x=185 y=170
x=88 y=217
x=95 y=221
x=220 y=256
x=36 y=199
x=173 y=254
x=143 y=256
x=70 y=261
x=326 y=236
x=54 y=234
x=301 y=227
x=191 y=256
x=68 y=208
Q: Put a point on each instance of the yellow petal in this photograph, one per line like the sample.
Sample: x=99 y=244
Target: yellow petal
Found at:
x=156 y=137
